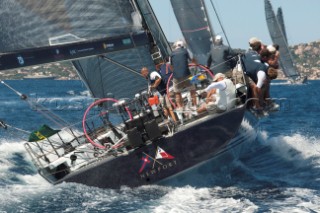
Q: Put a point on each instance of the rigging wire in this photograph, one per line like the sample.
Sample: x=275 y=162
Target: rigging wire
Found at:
x=39 y=108
x=100 y=73
x=215 y=11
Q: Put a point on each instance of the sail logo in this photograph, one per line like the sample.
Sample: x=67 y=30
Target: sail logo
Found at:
x=73 y=52
x=20 y=60
x=152 y=165
x=126 y=41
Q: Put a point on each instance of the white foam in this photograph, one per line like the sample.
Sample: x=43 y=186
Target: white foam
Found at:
x=297 y=200
x=189 y=199
x=28 y=185
x=7 y=148
x=308 y=147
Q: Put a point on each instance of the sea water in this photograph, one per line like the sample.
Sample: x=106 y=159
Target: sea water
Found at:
x=279 y=172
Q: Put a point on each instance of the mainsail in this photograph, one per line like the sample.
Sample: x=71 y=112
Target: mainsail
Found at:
x=278 y=37
x=118 y=72
x=36 y=32
x=194 y=23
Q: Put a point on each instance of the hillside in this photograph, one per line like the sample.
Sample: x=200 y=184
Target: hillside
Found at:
x=306 y=57
x=61 y=70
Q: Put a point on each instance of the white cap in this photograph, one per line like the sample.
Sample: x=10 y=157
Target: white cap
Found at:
x=254 y=40
x=218 y=38
x=178 y=44
x=271 y=48
x=218 y=75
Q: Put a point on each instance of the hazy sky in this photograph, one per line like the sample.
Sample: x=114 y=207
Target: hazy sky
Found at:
x=243 y=19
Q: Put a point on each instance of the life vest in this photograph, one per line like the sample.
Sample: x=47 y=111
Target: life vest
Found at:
x=179 y=61
x=252 y=64
x=165 y=72
x=161 y=88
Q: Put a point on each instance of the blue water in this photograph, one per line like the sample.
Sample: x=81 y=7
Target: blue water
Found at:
x=279 y=172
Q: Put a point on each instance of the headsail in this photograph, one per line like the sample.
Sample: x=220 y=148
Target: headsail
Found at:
x=195 y=26
x=278 y=37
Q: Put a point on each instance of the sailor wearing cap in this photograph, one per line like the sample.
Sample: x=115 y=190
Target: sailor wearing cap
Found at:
x=179 y=60
x=220 y=95
x=218 y=56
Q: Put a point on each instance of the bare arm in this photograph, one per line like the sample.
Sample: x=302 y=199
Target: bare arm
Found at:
x=156 y=83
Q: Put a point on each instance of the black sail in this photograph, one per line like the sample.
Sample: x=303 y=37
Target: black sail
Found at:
x=195 y=26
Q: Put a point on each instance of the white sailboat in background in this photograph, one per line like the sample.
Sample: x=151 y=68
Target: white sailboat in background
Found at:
x=278 y=35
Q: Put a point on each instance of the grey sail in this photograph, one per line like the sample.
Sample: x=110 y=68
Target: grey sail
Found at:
x=194 y=24
x=281 y=23
x=118 y=72
x=278 y=37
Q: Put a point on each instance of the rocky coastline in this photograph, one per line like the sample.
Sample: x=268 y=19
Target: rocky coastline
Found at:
x=306 y=57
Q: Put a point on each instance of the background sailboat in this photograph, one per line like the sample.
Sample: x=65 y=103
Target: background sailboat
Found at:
x=281 y=23
x=278 y=36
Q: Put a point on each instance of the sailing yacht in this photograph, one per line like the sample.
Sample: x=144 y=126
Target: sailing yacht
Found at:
x=278 y=35
x=122 y=138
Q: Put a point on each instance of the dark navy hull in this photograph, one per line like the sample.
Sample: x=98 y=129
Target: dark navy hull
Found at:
x=189 y=147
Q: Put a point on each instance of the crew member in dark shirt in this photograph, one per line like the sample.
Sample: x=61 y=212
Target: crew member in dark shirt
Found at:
x=179 y=60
